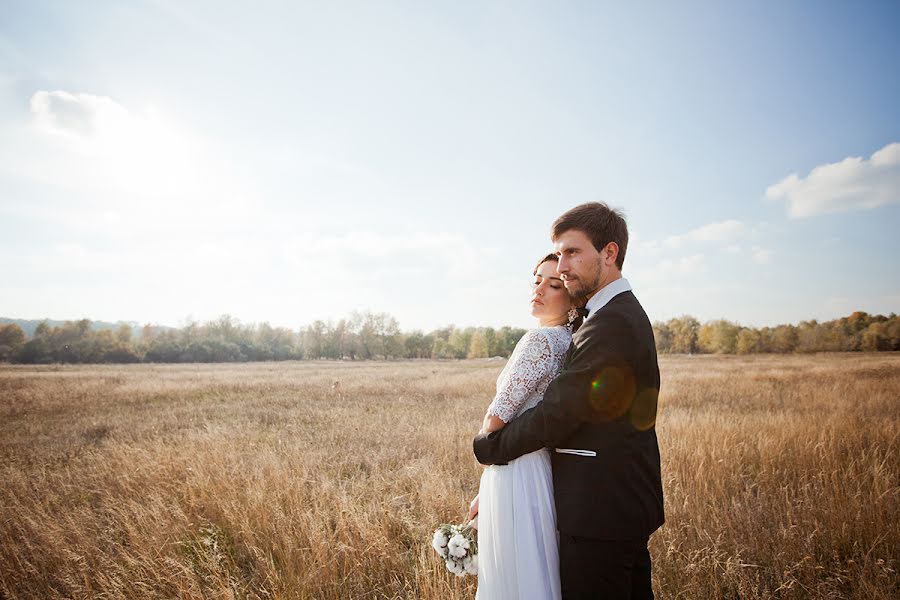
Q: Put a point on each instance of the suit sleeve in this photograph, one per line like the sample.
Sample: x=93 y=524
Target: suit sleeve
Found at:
x=596 y=386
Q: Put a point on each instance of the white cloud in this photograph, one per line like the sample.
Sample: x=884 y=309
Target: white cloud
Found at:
x=676 y=257
x=851 y=184
x=762 y=255
x=687 y=265
x=80 y=115
x=371 y=255
x=121 y=165
x=312 y=275
x=713 y=232
x=649 y=248
x=670 y=268
x=158 y=221
x=360 y=256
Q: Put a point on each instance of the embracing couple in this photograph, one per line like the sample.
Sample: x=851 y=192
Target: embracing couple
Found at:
x=573 y=490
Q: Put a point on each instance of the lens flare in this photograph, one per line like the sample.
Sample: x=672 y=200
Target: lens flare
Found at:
x=612 y=391
x=643 y=410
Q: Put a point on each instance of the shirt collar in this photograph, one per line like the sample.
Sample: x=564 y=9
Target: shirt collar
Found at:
x=606 y=294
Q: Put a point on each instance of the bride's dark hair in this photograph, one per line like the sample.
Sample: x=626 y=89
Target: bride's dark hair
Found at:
x=550 y=256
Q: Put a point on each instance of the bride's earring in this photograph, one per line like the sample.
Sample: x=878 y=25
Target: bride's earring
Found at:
x=573 y=314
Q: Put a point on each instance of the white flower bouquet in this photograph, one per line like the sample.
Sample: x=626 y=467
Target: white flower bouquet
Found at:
x=458 y=546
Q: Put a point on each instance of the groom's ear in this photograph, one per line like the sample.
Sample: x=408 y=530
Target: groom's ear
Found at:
x=610 y=253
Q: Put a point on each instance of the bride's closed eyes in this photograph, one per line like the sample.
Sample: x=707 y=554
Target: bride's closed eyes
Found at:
x=553 y=283
x=550 y=301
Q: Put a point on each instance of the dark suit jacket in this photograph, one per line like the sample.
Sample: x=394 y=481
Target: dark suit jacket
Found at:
x=603 y=401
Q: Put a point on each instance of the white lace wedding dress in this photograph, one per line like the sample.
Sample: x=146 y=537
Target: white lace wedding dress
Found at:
x=518 y=555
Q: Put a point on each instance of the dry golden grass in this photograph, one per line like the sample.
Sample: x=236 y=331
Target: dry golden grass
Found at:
x=267 y=481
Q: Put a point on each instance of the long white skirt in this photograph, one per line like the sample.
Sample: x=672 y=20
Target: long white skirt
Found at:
x=518 y=547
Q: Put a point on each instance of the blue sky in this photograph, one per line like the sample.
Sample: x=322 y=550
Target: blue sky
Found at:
x=283 y=162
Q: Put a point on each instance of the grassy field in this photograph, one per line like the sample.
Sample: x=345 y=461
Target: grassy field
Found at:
x=325 y=480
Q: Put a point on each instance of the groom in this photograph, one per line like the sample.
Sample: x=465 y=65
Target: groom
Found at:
x=598 y=416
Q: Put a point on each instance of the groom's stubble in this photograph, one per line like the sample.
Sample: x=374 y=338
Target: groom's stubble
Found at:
x=584 y=288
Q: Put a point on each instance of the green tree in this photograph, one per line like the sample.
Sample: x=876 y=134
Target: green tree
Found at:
x=417 y=346
x=341 y=340
x=875 y=338
x=892 y=331
x=387 y=329
x=477 y=346
x=718 y=337
x=459 y=342
x=684 y=334
x=123 y=334
x=784 y=339
x=36 y=351
x=313 y=340
x=663 y=336
x=490 y=341
x=442 y=349
x=507 y=338
x=367 y=333
x=12 y=340
x=749 y=341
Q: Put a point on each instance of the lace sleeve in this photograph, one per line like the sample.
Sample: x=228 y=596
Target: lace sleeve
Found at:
x=527 y=367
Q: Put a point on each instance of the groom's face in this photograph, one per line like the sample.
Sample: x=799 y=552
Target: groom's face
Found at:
x=580 y=265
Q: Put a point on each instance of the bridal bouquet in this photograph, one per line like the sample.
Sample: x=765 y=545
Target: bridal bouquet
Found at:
x=458 y=546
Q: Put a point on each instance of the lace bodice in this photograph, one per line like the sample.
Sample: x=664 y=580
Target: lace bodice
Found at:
x=535 y=362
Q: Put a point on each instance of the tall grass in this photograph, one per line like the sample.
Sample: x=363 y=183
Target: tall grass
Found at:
x=324 y=480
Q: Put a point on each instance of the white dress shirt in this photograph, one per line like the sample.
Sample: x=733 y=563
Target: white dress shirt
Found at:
x=606 y=294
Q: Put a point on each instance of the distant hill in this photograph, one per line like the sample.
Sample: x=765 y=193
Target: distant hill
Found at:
x=29 y=325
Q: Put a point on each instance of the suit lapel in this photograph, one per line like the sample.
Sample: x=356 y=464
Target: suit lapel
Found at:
x=577 y=339
x=569 y=353
x=587 y=328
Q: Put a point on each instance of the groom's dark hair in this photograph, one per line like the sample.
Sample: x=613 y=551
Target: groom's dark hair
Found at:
x=599 y=222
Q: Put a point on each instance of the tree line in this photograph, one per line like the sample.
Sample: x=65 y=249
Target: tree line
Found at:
x=363 y=336
x=370 y=336
x=858 y=332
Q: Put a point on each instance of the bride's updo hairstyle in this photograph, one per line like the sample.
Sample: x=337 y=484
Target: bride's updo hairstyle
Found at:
x=550 y=256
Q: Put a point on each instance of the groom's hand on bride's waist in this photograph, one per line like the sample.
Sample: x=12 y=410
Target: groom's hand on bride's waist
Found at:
x=482 y=436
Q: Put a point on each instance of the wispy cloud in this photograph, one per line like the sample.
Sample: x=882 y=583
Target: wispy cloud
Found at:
x=80 y=115
x=370 y=255
x=686 y=256
x=307 y=276
x=670 y=269
x=125 y=166
x=762 y=255
x=713 y=232
x=854 y=183
x=729 y=230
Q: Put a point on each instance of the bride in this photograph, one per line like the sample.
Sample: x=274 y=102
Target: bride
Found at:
x=518 y=554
